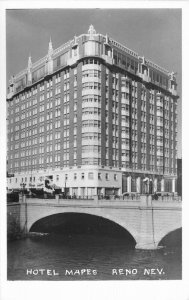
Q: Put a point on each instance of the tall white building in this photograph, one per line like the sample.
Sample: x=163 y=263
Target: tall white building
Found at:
x=95 y=118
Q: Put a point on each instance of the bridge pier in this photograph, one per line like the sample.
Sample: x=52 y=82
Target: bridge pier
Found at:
x=23 y=213
x=146 y=246
x=146 y=233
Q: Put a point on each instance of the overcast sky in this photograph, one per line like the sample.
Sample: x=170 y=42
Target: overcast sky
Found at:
x=154 y=33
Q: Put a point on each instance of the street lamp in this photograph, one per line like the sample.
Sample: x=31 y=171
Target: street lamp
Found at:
x=65 y=186
x=23 y=185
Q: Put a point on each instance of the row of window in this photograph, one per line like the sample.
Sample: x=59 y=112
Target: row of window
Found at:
x=91 y=110
x=91 y=136
x=91 y=98
x=91 y=73
x=91 y=86
x=90 y=175
x=49 y=126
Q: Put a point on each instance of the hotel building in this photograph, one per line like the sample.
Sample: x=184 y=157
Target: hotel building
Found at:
x=95 y=118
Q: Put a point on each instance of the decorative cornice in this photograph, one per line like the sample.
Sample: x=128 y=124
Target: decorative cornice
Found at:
x=52 y=54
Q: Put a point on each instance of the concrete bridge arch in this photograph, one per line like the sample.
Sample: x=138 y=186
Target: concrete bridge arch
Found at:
x=165 y=235
x=75 y=222
x=146 y=223
x=124 y=221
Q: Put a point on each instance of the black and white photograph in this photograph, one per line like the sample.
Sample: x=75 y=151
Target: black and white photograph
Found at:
x=94 y=144
x=93 y=160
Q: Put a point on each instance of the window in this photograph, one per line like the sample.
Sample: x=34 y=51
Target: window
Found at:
x=82 y=175
x=58 y=78
x=35 y=111
x=57 y=90
x=99 y=176
x=49 y=83
x=57 y=101
x=57 y=147
x=42 y=87
x=75 y=176
x=115 y=177
x=42 y=97
x=57 y=135
x=57 y=112
x=41 y=108
x=107 y=176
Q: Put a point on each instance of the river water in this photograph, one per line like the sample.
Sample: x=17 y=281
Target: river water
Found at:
x=89 y=257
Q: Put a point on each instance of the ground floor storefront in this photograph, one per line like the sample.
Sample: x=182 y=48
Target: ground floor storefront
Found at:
x=88 y=181
x=148 y=183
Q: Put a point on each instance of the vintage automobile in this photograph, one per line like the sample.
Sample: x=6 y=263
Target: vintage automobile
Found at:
x=132 y=195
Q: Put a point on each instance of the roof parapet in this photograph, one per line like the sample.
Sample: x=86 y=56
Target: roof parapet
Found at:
x=52 y=54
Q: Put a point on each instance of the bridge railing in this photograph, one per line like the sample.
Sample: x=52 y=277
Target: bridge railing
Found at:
x=79 y=199
x=59 y=196
x=145 y=201
x=114 y=200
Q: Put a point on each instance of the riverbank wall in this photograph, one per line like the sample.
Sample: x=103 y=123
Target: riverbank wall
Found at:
x=13 y=221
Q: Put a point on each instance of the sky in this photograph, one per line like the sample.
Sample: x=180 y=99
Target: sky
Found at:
x=153 y=33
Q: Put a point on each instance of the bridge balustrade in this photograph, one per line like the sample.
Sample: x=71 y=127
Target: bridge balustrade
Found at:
x=96 y=200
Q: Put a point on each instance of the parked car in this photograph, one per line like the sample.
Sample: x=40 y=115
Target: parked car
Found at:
x=130 y=194
x=163 y=194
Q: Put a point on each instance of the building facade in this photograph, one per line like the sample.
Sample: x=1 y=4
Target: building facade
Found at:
x=95 y=118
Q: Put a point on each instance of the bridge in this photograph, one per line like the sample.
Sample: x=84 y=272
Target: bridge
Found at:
x=148 y=221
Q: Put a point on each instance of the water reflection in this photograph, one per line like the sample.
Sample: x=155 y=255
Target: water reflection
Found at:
x=61 y=252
